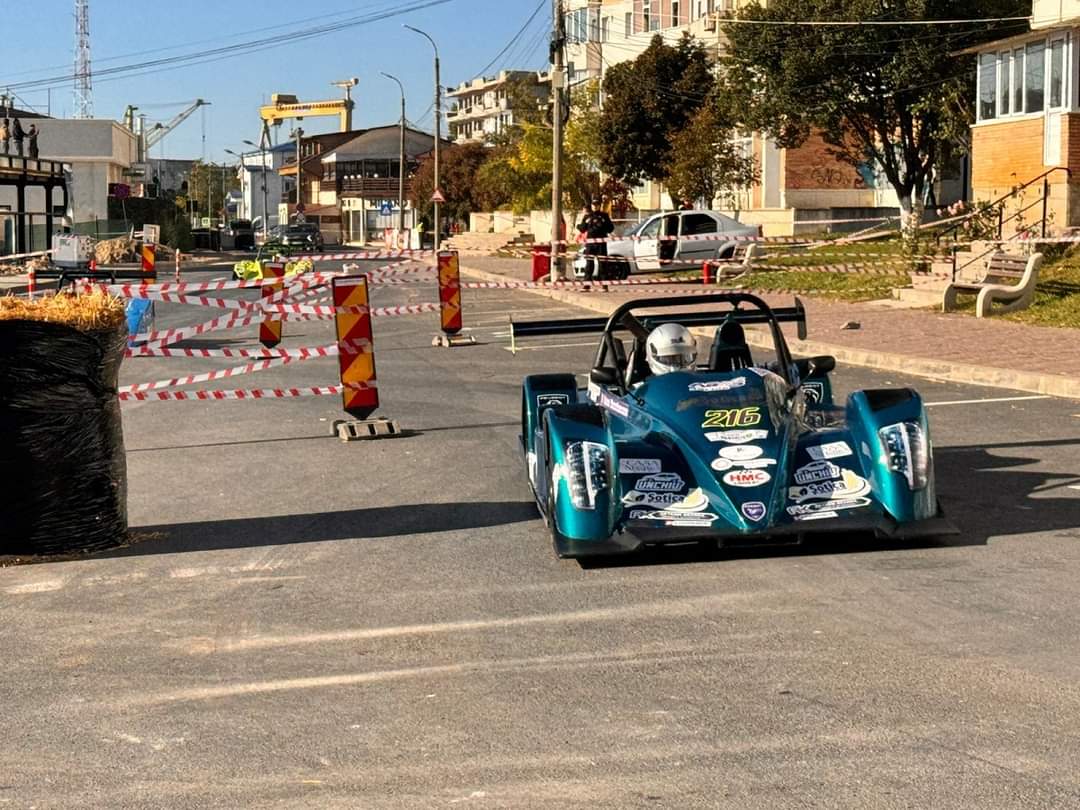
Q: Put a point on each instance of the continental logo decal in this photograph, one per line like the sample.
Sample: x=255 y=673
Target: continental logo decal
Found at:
x=732 y=417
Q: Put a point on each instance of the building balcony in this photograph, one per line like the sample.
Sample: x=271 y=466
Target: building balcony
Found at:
x=371 y=187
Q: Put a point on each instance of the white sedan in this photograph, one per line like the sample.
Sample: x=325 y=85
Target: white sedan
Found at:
x=676 y=238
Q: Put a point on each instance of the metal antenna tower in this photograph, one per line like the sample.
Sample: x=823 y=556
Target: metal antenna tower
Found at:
x=84 y=88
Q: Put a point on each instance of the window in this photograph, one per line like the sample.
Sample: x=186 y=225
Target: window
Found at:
x=651 y=229
x=646 y=14
x=693 y=224
x=987 y=84
x=594 y=25
x=628 y=23
x=1057 y=72
x=605 y=29
x=1018 y=80
x=674 y=12
x=1034 y=76
x=1004 y=85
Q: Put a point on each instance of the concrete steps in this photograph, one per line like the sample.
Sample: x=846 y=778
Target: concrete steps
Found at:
x=482 y=244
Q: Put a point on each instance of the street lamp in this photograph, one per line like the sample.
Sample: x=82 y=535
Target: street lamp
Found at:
x=401 y=158
x=265 y=211
x=438 y=120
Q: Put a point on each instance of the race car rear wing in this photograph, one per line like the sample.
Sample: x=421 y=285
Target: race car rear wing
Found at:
x=761 y=314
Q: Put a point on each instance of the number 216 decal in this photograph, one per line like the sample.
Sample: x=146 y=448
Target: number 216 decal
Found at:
x=732 y=418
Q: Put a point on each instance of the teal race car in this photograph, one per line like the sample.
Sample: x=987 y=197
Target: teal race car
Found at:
x=729 y=450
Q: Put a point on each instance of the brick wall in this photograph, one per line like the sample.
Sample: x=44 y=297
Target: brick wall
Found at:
x=1006 y=153
x=810 y=166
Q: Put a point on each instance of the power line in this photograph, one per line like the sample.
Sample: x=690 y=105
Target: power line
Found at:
x=539 y=7
x=835 y=23
x=240 y=49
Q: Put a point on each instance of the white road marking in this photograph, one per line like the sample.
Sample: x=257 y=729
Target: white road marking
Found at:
x=989 y=399
x=36 y=587
x=680 y=607
x=549 y=346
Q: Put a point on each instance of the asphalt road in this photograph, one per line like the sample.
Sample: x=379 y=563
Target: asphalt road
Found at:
x=309 y=623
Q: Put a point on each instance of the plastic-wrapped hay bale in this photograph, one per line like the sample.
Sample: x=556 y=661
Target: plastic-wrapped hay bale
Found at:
x=61 y=444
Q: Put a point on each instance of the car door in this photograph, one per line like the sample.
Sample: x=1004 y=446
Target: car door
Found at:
x=698 y=235
x=647 y=244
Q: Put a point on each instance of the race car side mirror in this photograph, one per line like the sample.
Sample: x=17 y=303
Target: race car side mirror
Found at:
x=603 y=375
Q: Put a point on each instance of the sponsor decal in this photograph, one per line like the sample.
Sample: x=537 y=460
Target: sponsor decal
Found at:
x=681 y=519
x=817 y=471
x=722 y=464
x=639 y=465
x=737 y=436
x=817 y=516
x=531 y=458
x=849 y=485
x=746 y=478
x=824 y=452
x=661 y=482
x=741 y=452
x=813 y=391
x=753 y=510
x=547 y=400
x=827 y=506
x=732 y=417
x=696 y=501
x=758 y=463
x=717 y=385
x=613 y=404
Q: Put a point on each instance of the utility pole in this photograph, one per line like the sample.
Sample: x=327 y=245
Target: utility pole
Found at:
x=558 y=85
x=438 y=123
x=299 y=177
x=401 y=159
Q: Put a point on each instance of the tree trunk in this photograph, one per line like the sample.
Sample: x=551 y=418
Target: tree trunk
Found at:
x=911 y=214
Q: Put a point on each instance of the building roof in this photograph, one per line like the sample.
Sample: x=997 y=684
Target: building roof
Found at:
x=382 y=143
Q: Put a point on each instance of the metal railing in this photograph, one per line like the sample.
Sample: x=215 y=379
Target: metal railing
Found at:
x=1042 y=201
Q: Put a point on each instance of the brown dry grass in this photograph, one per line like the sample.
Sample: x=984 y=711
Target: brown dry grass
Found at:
x=93 y=312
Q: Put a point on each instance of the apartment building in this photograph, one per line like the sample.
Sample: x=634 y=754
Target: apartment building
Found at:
x=482 y=108
x=1028 y=116
x=796 y=184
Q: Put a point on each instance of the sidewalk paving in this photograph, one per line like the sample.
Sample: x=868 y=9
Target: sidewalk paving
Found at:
x=954 y=347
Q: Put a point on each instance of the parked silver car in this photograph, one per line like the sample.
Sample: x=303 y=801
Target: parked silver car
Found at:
x=678 y=238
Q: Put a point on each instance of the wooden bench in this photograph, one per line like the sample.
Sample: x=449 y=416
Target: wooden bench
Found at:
x=1008 y=279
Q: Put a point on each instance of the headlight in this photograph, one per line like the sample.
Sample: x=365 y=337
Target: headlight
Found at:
x=587 y=471
x=906 y=451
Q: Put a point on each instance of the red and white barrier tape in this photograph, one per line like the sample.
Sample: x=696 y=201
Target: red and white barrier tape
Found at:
x=296 y=354
x=219 y=374
x=256 y=393
x=364 y=255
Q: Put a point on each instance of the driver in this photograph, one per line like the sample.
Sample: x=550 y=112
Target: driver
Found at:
x=670 y=347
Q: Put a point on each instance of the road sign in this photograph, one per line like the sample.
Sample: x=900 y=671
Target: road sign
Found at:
x=437 y=196
x=386 y=208
x=151 y=233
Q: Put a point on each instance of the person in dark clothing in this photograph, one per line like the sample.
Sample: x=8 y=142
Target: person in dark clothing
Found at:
x=18 y=134
x=596 y=225
x=31 y=142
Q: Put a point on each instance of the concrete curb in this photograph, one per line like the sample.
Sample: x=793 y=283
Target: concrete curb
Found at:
x=942 y=370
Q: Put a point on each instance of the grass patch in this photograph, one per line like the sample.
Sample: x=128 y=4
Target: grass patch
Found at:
x=836 y=286
x=1057 y=297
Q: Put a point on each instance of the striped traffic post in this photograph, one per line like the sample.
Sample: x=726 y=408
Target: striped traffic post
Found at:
x=356 y=348
x=450 y=292
x=149 y=260
x=270 y=327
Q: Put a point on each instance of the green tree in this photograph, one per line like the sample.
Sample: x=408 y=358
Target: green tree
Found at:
x=459 y=166
x=206 y=178
x=704 y=159
x=646 y=102
x=887 y=93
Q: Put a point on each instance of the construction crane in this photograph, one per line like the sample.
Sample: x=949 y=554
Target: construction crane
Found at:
x=161 y=130
x=284 y=105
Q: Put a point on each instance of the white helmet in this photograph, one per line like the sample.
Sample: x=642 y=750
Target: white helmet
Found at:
x=670 y=347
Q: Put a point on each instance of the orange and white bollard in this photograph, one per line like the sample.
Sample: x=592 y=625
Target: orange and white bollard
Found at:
x=450 y=302
x=270 y=327
x=176 y=274
x=149 y=260
x=31 y=283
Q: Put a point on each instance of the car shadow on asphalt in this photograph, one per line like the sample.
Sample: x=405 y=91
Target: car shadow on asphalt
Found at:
x=352 y=524
x=983 y=492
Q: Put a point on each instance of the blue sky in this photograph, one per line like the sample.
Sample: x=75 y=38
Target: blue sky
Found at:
x=470 y=33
